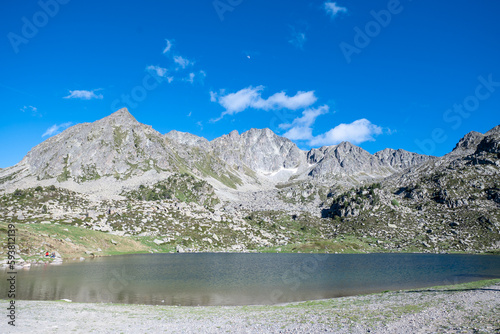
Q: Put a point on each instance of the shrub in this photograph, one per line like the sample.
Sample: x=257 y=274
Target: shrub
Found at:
x=18 y=192
x=395 y=202
x=39 y=188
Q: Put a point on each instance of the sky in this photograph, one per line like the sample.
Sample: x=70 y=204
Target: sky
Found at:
x=416 y=75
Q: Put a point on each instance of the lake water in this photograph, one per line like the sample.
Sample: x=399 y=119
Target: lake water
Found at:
x=244 y=279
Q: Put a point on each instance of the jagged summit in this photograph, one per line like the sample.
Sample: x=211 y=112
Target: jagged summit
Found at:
x=121 y=148
x=496 y=129
x=401 y=159
x=468 y=143
x=121 y=117
x=186 y=138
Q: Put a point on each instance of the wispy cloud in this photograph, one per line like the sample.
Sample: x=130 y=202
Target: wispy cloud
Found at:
x=333 y=9
x=29 y=108
x=55 y=129
x=178 y=66
x=297 y=39
x=160 y=71
x=198 y=77
x=213 y=96
x=182 y=62
x=251 y=97
x=168 y=47
x=301 y=127
x=83 y=94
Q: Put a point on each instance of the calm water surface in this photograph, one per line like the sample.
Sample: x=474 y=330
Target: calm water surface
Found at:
x=244 y=279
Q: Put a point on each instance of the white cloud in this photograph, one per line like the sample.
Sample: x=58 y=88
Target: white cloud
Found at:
x=182 y=62
x=29 y=108
x=298 y=39
x=333 y=10
x=250 y=97
x=301 y=127
x=55 y=129
x=199 y=76
x=356 y=132
x=83 y=95
x=168 y=47
x=160 y=71
x=190 y=113
x=213 y=96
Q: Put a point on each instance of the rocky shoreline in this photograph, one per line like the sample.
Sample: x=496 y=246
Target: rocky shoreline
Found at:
x=466 y=308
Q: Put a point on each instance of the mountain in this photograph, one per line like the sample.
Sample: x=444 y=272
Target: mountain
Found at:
x=117 y=146
x=119 y=151
x=451 y=202
x=250 y=191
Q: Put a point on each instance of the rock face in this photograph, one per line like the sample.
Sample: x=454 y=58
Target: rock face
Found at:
x=117 y=145
x=468 y=143
x=344 y=159
x=400 y=159
x=120 y=148
x=452 y=201
x=186 y=138
x=260 y=150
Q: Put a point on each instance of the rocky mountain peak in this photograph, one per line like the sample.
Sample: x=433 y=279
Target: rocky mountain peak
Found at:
x=468 y=143
x=120 y=147
x=400 y=159
x=120 y=117
x=186 y=138
x=496 y=130
x=253 y=132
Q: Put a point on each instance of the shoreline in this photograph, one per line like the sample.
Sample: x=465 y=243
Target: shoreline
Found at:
x=26 y=264
x=464 y=308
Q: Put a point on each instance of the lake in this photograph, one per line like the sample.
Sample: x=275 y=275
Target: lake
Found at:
x=244 y=279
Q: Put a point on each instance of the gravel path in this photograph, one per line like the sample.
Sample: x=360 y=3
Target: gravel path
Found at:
x=419 y=311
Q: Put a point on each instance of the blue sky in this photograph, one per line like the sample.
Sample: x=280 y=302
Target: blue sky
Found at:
x=416 y=75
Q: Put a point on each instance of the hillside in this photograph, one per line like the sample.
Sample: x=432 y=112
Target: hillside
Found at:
x=254 y=191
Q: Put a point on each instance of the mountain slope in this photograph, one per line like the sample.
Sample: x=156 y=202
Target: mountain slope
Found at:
x=449 y=203
x=119 y=150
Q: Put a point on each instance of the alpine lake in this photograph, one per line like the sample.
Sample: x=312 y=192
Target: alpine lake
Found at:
x=192 y=279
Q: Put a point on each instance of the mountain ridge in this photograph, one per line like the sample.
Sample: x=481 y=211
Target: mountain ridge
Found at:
x=256 y=191
x=120 y=147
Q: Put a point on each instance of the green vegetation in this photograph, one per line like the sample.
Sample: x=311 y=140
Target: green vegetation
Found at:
x=89 y=173
x=206 y=166
x=184 y=187
x=119 y=136
x=70 y=241
x=66 y=174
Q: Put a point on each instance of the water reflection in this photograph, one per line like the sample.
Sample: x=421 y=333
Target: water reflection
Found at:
x=244 y=279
